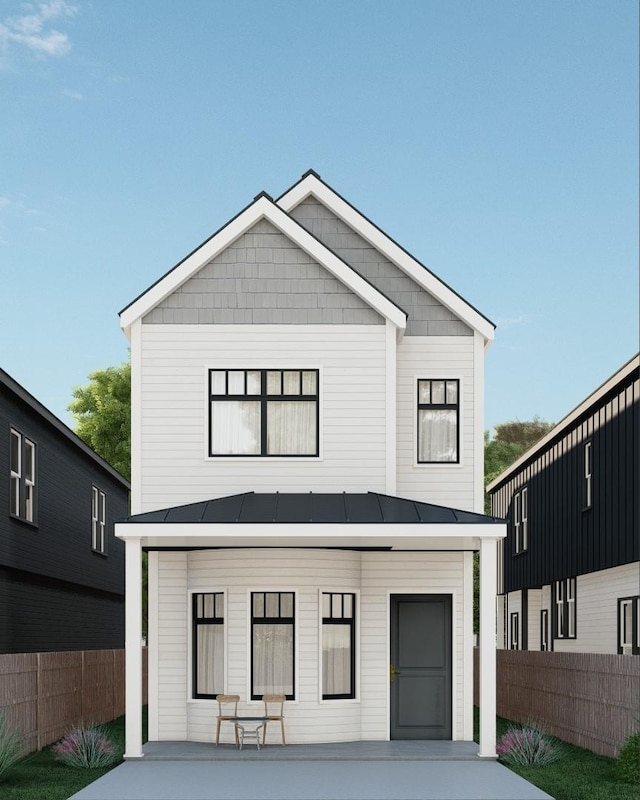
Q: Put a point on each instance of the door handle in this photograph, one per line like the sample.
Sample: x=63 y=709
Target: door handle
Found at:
x=393 y=672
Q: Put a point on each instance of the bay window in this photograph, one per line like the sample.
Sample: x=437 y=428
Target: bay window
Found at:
x=338 y=645
x=208 y=644
x=272 y=644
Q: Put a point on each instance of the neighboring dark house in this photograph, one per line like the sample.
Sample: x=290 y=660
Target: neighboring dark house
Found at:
x=569 y=569
x=61 y=569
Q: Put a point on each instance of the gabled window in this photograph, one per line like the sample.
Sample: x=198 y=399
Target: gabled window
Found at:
x=564 y=620
x=438 y=421
x=521 y=521
x=22 y=494
x=338 y=645
x=588 y=475
x=98 y=520
x=544 y=630
x=264 y=412
x=208 y=644
x=272 y=644
x=629 y=625
x=514 y=633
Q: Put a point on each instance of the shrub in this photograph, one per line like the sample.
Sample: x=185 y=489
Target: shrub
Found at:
x=86 y=748
x=10 y=746
x=628 y=766
x=527 y=745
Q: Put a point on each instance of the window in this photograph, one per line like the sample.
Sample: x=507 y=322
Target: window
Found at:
x=263 y=413
x=564 y=593
x=438 y=421
x=588 y=476
x=22 y=496
x=521 y=520
x=272 y=644
x=338 y=646
x=629 y=625
x=98 y=520
x=208 y=644
x=514 y=638
x=544 y=630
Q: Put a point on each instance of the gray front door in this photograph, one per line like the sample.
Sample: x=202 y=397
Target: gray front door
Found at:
x=420 y=670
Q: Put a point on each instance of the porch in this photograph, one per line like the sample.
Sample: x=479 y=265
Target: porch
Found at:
x=395 y=770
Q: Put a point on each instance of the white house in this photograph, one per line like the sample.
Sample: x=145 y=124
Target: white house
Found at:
x=307 y=460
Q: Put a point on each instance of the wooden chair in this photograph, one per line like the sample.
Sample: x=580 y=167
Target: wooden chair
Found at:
x=227 y=710
x=274 y=711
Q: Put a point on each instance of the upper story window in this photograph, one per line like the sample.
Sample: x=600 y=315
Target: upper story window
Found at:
x=22 y=499
x=438 y=421
x=263 y=412
x=521 y=520
x=338 y=645
x=272 y=644
x=564 y=595
x=588 y=475
x=208 y=644
x=98 y=520
x=629 y=625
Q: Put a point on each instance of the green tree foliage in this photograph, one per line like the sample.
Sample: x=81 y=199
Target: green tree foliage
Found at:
x=102 y=414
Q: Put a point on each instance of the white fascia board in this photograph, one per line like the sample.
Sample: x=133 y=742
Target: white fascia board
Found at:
x=310 y=185
x=263 y=208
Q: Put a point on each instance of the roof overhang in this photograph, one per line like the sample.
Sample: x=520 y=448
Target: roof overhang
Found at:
x=403 y=536
x=311 y=184
x=262 y=208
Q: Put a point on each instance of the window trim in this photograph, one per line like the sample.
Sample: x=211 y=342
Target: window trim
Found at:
x=544 y=630
x=520 y=511
x=263 y=398
x=352 y=622
x=441 y=376
x=206 y=621
x=19 y=483
x=588 y=474
x=565 y=617
x=514 y=630
x=98 y=521
x=253 y=696
x=631 y=647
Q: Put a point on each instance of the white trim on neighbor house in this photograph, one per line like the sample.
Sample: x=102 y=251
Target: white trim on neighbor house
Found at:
x=262 y=208
x=311 y=185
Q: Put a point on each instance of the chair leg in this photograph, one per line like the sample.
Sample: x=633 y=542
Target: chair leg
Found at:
x=218 y=733
x=283 y=739
x=264 y=733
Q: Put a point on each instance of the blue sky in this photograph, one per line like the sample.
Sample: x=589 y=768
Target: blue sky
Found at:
x=496 y=141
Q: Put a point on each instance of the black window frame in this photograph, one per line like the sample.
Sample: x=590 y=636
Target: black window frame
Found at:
x=634 y=600
x=19 y=478
x=521 y=521
x=568 y=609
x=587 y=461
x=264 y=398
x=545 y=641
x=514 y=631
x=341 y=620
x=196 y=622
x=443 y=406
x=279 y=620
x=97 y=523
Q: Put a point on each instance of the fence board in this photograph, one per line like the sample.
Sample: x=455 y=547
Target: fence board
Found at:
x=44 y=694
x=588 y=699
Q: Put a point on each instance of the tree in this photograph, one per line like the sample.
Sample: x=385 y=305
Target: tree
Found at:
x=102 y=413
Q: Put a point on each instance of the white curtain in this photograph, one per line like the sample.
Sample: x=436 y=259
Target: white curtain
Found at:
x=210 y=645
x=336 y=659
x=437 y=435
x=272 y=658
x=291 y=428
x=235 y=427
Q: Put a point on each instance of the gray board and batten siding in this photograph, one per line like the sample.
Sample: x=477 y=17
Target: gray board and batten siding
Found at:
x=263 y=278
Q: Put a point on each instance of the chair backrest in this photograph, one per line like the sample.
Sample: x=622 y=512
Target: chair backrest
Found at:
x=274 y=705
x=228 y=705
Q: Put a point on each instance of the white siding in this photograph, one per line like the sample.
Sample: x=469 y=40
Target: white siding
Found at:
x=444 y=357
x=373 y=576
x=174 y=420
x=535 y=605
x=597 y=607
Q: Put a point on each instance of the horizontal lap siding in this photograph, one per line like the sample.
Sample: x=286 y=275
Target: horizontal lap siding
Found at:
x=175 y=416
x=447 y=357
x=171 y=645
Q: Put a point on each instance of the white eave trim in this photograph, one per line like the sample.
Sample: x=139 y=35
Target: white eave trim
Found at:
x=263 y=208
x=311 y=185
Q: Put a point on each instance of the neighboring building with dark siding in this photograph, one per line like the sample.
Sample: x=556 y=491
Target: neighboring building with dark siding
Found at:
x=61 y=569
x=569 y=569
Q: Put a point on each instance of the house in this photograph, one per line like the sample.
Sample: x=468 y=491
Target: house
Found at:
x=307 y=459
x=569 y=569
x=61 y=569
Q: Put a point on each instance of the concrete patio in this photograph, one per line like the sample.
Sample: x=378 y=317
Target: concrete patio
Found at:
x=395 y=770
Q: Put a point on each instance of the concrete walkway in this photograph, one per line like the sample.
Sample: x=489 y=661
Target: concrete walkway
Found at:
x=347 y=771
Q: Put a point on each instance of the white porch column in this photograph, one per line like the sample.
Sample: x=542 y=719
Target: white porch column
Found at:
x=487 y=660
x=133 y=648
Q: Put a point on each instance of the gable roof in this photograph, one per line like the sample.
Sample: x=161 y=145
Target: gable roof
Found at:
x=632 y=366
x=262 y=207
x=311 y=184
x=36 y=406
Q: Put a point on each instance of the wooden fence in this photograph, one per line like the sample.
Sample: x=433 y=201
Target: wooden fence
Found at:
x=588 y=699
x=44 y=694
